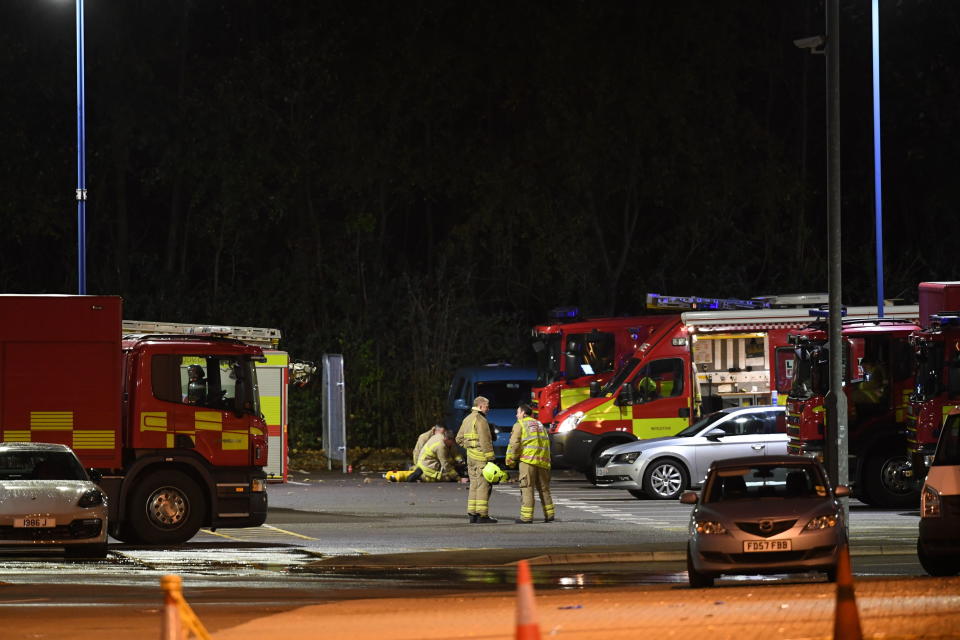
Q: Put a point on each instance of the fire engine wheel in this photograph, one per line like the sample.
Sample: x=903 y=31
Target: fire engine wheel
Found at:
x=883 y=482
x=665 y=480
x=167 y=507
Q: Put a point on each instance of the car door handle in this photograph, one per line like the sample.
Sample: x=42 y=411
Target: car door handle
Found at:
x=757 y=447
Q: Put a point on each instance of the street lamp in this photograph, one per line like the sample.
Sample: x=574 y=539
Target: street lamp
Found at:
x=81 y=162
x=878 y=193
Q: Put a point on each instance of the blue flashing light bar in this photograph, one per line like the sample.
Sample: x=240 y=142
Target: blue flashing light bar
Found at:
x=825 y=312
x=564 y=313
x=947 y=318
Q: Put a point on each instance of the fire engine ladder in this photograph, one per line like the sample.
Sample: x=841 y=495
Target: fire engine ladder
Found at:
x=693 y=303
x=657 y=301
x=268 y=338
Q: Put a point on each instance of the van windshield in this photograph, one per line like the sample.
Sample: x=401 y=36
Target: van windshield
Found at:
x=948 y=449
x=505 y=394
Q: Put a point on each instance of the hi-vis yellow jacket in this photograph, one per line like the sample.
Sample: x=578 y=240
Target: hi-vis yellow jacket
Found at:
x=474 y=436
x=529 y=443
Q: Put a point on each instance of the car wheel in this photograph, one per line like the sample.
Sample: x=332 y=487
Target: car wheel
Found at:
x=697 y=580
x=95 y=550
x=167 y=507
x=938 y=566
x=884 y=484
x=665 y=480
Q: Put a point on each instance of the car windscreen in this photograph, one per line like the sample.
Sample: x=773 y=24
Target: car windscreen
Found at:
x=948 y=448
x=505 y=394
x=765 y=481
x=40 y=465
x=697 y=426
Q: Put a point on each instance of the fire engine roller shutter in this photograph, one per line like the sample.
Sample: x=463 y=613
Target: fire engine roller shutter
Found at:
x=270 y=378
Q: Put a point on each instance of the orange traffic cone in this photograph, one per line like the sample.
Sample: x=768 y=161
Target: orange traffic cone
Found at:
x=527 y=626
x=846 y=619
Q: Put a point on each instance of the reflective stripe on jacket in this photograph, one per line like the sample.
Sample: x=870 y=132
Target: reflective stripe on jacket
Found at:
x=529 y=443
x=435 y=458
x=474 y=436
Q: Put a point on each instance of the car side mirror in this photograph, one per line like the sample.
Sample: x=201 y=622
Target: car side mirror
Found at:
x=626 y=394
x=95 y=476
x=714 y=435
x=688 y=497
x=594 y=389
x=841 y=491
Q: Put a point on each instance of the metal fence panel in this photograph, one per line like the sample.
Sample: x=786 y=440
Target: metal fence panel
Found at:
x=334 y=411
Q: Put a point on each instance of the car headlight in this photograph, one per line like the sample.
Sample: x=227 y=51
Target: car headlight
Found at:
x=625 y=458
x=929 y=503
x=92 y=498
x=822 y=522
x=257 y=485
x=570 y=422
x=710 y=527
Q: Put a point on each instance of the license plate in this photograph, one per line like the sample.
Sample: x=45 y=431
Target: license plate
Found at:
x=35 y=522
x=753 y=546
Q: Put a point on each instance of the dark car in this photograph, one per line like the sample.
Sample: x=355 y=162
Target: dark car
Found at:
x=938 y=546
x=764 y=515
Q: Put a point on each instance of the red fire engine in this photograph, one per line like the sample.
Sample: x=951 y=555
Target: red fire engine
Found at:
x=937 y=358
x=878 y=379
x=572 y=353
x=693 y=363
x=170 y=423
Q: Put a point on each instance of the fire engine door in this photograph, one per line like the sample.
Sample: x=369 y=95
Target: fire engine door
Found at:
x=203 y=410
x=657 y=402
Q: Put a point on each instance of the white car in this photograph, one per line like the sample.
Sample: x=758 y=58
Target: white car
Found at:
x=48 y=500
x=662 y=468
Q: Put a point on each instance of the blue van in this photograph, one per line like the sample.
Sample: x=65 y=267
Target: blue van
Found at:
x=504 y=385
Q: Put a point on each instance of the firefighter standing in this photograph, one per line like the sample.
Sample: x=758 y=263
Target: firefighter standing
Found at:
x=474 y=436
x=530 y=445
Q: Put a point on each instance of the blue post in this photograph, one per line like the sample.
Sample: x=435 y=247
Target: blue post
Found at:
x=876 y=155
x=81 y=162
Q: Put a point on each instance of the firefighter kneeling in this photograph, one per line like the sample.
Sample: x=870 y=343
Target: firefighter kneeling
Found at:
x=530 y=445
x=439 y=461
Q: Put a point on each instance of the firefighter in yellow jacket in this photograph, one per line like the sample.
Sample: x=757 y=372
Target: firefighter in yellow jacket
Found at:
x=475 y=437
x=438 y=460
x=422 y=440
x=530 y=445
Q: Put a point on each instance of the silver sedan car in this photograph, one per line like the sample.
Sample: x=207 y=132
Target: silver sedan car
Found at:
x=662 y=468
x=776 y=514
x=48 y=500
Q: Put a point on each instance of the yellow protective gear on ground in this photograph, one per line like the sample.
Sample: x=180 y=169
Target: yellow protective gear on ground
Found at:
x=397 y=476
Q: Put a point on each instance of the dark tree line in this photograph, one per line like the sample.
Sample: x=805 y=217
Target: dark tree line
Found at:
x=414 y=184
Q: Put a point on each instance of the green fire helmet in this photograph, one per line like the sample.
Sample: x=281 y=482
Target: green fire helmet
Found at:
x=494 y=474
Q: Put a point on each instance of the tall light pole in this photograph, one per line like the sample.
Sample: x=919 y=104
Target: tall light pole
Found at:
x=81 y=161
x=836 y=398
x=878 y=192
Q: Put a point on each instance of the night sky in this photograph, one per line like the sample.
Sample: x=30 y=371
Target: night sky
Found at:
x=415 y=184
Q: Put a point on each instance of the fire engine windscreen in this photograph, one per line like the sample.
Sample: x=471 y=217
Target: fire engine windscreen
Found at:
x=929 y=358
x=812 y=371
x=586 y=354
x=216 y=382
